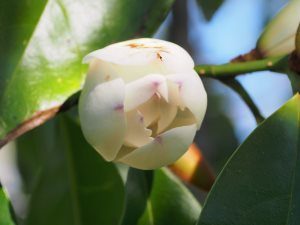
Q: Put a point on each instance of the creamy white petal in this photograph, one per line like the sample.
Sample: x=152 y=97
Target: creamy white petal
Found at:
x=192 y=93
x=163 y=150
x=150 y=110
x=102 y=117
x=136 y=133
x=167 y=114
x=99 y=72
x=174 y=94
x=141 y=90
x=183 y=118
x=138 y=52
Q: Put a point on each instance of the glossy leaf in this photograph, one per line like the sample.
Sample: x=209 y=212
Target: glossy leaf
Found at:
x=75 y=185
x=169 y=201
x=43 y=43
x=261 y=182
x=138 y=188
x=5 y=217
x=209 y=7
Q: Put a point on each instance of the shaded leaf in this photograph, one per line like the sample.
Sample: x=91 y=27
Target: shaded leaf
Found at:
x=75 y=185
x=138 y=188
x=5 y=216
x=209 y=7
x=170 y=202
x=41 y=58
x=260 y=184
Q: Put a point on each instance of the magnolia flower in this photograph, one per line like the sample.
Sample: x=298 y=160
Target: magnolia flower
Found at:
x=142 y=102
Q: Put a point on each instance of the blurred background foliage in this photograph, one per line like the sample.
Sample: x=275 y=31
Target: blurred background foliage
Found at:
x=214 y=32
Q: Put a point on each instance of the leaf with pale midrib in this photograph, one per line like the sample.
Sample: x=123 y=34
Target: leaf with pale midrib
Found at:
x=43 y=43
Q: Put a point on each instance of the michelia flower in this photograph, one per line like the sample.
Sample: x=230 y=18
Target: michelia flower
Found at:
x=142 y=102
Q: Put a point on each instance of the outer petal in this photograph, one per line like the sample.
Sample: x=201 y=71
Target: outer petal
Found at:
x=192 y=93
x=141 y=90
x=168 y=56
x=99 y=72
x=163 y=150
x=101 y=113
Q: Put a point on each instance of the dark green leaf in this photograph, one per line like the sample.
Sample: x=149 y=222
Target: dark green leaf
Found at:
x=209 y=7
x=5 y=217
x=297 y=42
x=261 y=182
x=152 y=198
x=75 y=186
x=40 y=63
x=138 y=187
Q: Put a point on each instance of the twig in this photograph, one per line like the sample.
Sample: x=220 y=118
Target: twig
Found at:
x=239 y=89
x=276 y=64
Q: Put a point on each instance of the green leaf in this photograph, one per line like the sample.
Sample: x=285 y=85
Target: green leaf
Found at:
x=261 y=182
x=209 y=7
x=297 y=42
x=5 y=216
x=169 y=202
x=75 y=186
x=43 y=43
x=138 y=188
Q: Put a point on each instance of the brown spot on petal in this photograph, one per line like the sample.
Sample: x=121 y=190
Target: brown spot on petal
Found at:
x=135 y=45
x=159 y=56
x=107 y=78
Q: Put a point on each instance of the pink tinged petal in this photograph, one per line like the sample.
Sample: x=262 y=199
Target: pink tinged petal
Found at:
x=192 y=93
x=174 y=94
x=136 y=133
x=167 y=115
x=163 y=150
x=141 y=90
x=102 y=117
x=150 y=110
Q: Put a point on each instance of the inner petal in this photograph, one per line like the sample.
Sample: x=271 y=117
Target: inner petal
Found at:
x=167 y=113
x=136 y=134
x=174 y=93
x=141 y=90
x=150 y=110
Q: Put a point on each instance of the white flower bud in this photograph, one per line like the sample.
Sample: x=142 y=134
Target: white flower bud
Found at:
x=278 y=37
x=142 y=102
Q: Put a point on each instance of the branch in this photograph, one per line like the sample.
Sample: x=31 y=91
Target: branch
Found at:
x=238 y=88
x=276 y=64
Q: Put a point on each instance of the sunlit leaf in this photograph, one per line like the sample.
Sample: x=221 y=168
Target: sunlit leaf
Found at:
x=260 y=184
x=5 y=217
x=43 y=43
